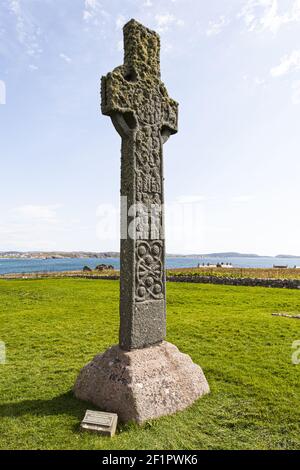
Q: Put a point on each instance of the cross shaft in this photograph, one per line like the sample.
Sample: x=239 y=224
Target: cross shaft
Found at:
x=144 y=115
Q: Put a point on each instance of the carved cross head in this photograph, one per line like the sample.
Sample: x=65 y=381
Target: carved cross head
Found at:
x=133 y=94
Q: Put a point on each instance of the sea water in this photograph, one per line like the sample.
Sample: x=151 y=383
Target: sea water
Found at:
x=74 y=264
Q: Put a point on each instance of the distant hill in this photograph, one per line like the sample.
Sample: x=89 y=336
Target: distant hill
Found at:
x=287 y=256
x=57 y=254
x=116 y=254
x=229 y=254
x=233 y=254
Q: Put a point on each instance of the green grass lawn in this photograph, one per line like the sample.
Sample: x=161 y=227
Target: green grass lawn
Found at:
x=52 y=327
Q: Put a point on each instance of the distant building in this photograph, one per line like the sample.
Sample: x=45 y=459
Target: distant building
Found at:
x=218 y=265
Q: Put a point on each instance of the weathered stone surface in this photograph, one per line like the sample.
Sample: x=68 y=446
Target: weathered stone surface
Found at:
x=99 y=422
x=144 y=377
x=141 y=384
x=143 y=114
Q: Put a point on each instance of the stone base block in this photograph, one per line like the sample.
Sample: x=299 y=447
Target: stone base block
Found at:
x=141 y=384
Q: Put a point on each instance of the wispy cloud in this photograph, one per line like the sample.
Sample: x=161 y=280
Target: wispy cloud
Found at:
x=288 y=63
x=28 y=33
x=259 y=81
x=120 y=21
x=90 y=9
x=296 y=92
x=242 y=199
x=120 y=45
x=33 y=67
x=165 y=20
x=216 y=27
x=37 y=212
x=190 y=199
x=264 y=15
x=65 y=57
x=35 y=227
x=93 y=11
x=255 y=81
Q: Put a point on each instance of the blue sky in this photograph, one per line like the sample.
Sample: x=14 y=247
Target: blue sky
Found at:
x=232 y=171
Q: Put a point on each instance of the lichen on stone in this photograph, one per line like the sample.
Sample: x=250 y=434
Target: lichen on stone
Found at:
x=137 y=101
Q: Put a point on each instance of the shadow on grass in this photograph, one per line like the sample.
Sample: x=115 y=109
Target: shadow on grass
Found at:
x=63 y=404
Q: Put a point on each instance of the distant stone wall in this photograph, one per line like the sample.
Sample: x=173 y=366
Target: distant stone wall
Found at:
x=114 y=277
x=228 y=281
x=246 y=281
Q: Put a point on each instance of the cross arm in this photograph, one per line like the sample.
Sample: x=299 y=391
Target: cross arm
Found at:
x=116 y=100
x=169 y=118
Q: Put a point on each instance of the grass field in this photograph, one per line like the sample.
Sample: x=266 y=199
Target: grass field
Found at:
x=52 y=327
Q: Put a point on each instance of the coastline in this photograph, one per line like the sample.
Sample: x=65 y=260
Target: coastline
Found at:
x=61 y=255
x=24 y=266
x=183 y=273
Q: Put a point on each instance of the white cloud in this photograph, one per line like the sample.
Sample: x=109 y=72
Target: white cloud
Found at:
x=120 y=21
x=91 y=4
x=37 y=212
x=33 y=67
x=254 y=81
x=296 y=92
x=28 y=32
x=185 y=224
x=90 y=9
x=264 y=15
x=15 y=6
x=288 y=63
x=108 y=219
x=242 y=198
x=87 y=15
x=259 y=81
x=39 y=227
x=65 y=57
x=215 y=27
x=148 y=3
x=190 y=199
x=120 y=45
x=165 y=20
x=2 y=92
x=93 y=10
x=166 y=47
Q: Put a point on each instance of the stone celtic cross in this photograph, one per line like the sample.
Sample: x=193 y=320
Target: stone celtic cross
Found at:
x=143 y=114
x=143 y=377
